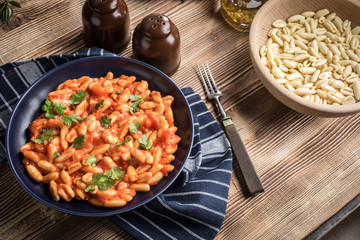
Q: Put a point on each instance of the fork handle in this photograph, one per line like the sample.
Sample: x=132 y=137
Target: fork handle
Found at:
x=247 y=168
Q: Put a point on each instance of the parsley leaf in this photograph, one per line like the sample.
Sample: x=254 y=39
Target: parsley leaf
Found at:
x=136 y=100
x=56 y=155
x=78 y=141
x=102 y=181
x=89 y=188
x=77 y=97
x=91 y=161
x=99 y=104
x=68 y=119
x=50 y=108
x=37 y=140
x=134 y=126
x=48 y=131
x=47 y=106
x=59 y=108
x=47 y=134
x=145 y=143
x=105 y=121
x=114 y=173
x=127 y=139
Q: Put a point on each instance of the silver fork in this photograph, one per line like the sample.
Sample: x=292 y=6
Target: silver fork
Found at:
x=247 y=168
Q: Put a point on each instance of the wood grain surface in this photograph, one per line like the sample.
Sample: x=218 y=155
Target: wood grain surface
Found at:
x=309 y=166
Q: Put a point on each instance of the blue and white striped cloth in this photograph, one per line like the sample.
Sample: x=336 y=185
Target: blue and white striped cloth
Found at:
x=194 y=206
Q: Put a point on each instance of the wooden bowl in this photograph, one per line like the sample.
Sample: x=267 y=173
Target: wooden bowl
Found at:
x=283 y=9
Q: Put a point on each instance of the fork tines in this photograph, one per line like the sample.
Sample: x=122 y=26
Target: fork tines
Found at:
x=209 y=84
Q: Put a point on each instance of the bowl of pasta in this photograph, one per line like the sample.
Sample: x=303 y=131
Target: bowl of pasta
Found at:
x=99 y=136
x=307 y=54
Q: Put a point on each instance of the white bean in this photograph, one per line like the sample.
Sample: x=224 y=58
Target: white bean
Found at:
x=332 y=96
x=290 y=64
x=348 y=100
x=277 y=73
x=352 y=55
x=356 y=30
x=304 y=91
x=308 y=14
x=279 y=23
x=356 y=88
x=295 y=18
x=315 y=76
x=294 y=76
x=321 y=13
x=300 y=57
x=307 y=70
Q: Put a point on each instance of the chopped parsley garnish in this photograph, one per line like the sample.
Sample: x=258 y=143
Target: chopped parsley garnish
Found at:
x=91 y=160
x=90 y=188
x=105 y=121
x=105 y=181
x=47 y=134
x=56 y=155
x=59 y=108
x=48 y=107
x=114 y=173
x=102 y=181
x=78 y=141
x=68 y=119
x=51 y=109
x=127 y=139
x=145 y=143
x=136 y=100
x=134 y=126
x=99 y=104
x=77 y=97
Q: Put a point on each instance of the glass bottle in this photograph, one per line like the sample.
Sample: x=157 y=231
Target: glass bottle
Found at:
x=240 y=13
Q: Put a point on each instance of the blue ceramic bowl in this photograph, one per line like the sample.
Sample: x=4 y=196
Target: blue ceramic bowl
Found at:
x=29 y=107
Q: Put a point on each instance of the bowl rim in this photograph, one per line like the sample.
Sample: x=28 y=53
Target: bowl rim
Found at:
x=116 y=210
x=325 y=109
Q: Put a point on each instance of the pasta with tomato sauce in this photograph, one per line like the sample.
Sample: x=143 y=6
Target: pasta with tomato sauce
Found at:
x=102 y=140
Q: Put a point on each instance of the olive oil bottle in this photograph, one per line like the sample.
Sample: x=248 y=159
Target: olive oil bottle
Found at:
x=240 y=13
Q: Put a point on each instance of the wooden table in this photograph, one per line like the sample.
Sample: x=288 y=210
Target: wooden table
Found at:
x=309 y=166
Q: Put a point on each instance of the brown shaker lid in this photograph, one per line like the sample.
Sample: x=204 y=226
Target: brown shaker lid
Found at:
x=156 y=26
x=156 y=41
x=103 y=6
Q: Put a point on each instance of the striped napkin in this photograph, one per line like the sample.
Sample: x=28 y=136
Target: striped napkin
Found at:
x=193 y=207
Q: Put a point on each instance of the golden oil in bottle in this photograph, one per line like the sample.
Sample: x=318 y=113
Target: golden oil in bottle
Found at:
x=240 y=13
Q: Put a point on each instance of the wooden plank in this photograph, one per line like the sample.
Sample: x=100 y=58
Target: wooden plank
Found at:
x=290 y=175
x=61 y=17
x=86 y=228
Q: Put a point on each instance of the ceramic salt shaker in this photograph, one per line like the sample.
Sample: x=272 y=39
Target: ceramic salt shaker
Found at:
x=106 y=24
x=156 y=40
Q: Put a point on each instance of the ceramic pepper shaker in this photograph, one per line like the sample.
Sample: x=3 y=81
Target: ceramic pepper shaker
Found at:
x=156 y=40
x=106 y=24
